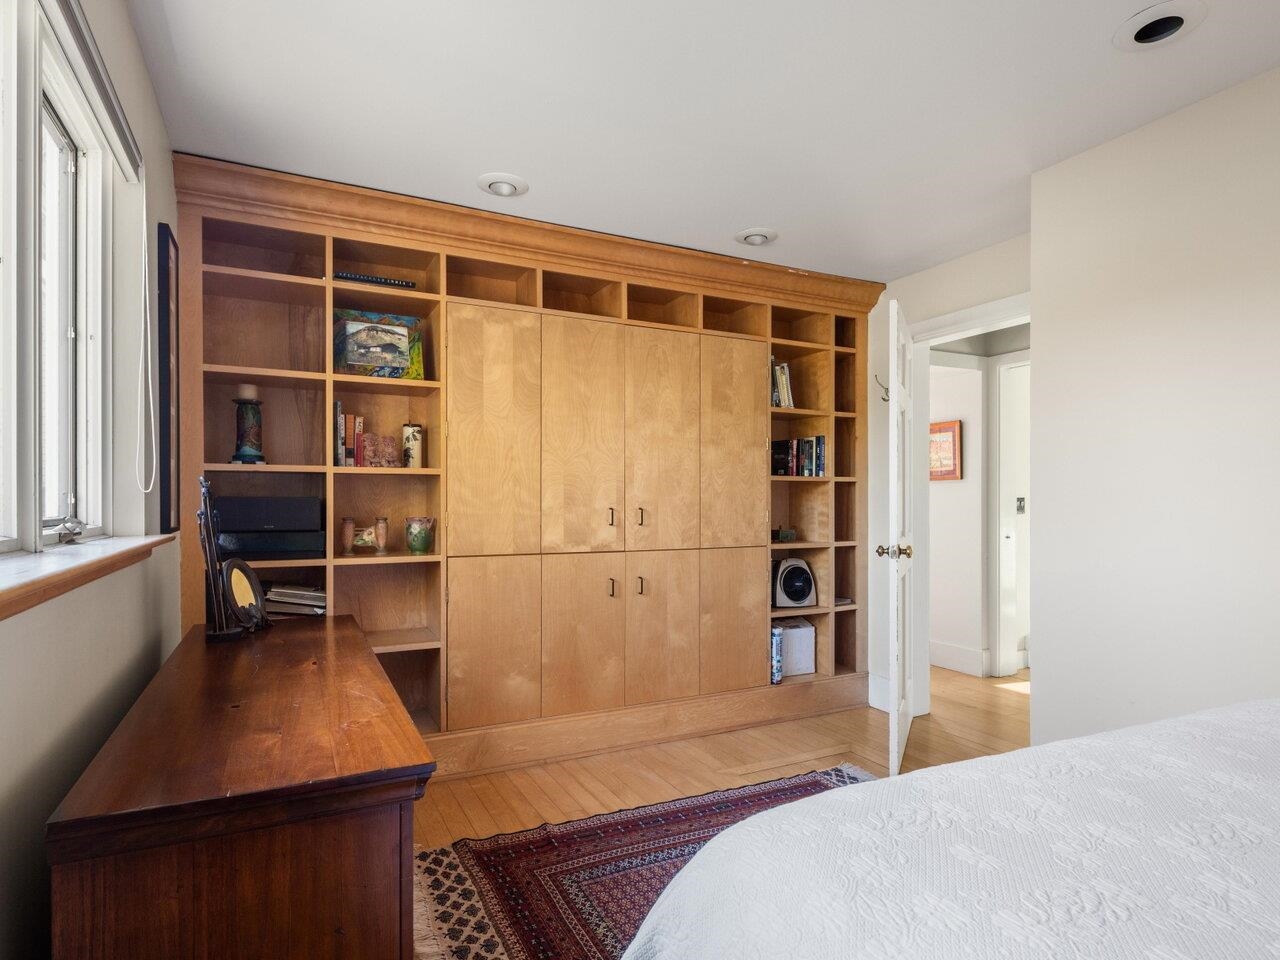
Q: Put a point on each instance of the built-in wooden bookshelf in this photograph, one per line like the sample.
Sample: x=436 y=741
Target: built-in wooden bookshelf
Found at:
x=259 y=298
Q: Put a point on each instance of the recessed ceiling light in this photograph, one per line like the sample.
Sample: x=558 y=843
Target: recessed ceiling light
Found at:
x=756 y=236
x=1159 y=24
x=503 y=184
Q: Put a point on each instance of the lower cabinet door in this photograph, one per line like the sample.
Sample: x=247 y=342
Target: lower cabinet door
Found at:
x=733 y=588
x=662 y=625
x=495 y=640
x=583 y=632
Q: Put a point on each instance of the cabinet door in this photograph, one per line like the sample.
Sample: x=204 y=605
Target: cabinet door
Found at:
x=582 y=424
x=495 y=640
x=494 y=450
x=735 y=449
x=662 y=625
x=734 y=631
x=662 y=400
x=583 y=616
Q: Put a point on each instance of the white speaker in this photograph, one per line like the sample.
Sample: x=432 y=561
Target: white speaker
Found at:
x=793 y=584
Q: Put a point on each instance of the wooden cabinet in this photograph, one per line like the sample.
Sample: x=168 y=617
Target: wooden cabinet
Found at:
x=662 y=442
x=583 y=642
x=495 y=640
x=255 y=788
x=734 y=415
x=662 y=625
x=582 y=435
x=734 y=622
x=495 y=424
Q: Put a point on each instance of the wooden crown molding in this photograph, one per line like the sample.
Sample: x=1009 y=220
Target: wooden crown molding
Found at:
x=253 y=190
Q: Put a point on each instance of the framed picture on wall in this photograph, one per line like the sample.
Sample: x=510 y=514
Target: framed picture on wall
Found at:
x=167 y=329
x=945 y=455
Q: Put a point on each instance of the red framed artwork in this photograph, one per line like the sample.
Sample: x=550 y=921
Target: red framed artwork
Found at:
x=945 y=455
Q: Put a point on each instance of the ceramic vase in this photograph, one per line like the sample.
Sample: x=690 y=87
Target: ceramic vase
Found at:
x=380 y=534
x=348 y=536
x=420 y=534
x=411 y=445
x=248 y=431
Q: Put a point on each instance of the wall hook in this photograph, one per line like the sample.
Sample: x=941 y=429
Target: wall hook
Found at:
x=885 y=398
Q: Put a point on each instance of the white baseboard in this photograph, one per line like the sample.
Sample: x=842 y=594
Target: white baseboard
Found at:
x=954 y=657
x=878 y=692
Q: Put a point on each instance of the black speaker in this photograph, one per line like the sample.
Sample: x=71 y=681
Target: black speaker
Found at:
x=262 y=514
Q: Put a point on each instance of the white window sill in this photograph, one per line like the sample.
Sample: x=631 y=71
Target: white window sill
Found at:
x=29 y=579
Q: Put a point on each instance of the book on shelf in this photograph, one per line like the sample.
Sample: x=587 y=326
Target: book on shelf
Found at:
x=782 y=395
x=297 y=594
x=799 y=457
x=359 y=457
x=339 y=435
x=281 y=608
x=289 y=599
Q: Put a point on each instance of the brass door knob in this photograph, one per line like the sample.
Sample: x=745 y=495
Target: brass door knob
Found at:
x=890 y=552
x=905 y=551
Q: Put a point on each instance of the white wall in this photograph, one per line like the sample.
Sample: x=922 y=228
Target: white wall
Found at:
x=957 y=510
x=70 y=668
x=1156 y=296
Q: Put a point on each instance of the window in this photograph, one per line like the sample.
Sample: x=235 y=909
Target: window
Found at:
x=57 y=321
x=56 y=287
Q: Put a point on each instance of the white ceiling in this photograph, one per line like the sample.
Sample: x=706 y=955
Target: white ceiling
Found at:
x=878 y=136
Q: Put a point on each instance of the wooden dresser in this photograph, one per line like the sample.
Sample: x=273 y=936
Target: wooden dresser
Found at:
x=257 y=801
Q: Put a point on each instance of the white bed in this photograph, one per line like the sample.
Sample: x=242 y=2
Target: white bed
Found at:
x=1159 y=842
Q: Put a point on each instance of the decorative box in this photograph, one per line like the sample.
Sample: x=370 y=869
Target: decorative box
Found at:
x=377 y=344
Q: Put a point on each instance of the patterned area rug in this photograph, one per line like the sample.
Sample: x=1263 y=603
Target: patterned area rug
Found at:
x=577 y=890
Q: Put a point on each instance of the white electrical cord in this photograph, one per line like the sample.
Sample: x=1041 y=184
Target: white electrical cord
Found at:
x=146 y=374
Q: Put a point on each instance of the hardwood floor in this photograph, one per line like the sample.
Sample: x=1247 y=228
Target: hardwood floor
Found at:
x=970 y=717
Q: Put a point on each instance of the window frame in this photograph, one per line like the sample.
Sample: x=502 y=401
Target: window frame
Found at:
x=35 y=70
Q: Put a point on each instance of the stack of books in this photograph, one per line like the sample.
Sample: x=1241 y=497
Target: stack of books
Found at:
x=782 y=395
x=802 y=457
x=293 y=600
x=348 y=438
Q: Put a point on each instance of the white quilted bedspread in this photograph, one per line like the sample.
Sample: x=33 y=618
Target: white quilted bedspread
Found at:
x=1159 y=842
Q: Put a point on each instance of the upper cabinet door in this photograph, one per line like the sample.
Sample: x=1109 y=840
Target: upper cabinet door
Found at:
x=582 y=429
x=494 y=437
x=735 y=442
x=662 y=400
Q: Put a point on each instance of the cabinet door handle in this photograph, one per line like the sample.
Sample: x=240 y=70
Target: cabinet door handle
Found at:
x=611 y=516
x=640 y=590
x=641 y=509
x=613 y=586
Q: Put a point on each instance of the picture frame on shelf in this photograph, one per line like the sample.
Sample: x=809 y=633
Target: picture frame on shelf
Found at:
x=946 y=455
x=169 y=381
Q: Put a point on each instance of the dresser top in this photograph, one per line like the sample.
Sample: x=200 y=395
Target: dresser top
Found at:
x=300 y=708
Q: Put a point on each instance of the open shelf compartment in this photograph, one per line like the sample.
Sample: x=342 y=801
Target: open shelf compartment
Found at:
x=386 y=411
x=784 y=426
x=846 y=383
x=361 y=257
x=656 y=305
x=490 y=280
x=293 y=420
x=811 y=372
x=577 y=294
x=365 y=497
x=263 y=322
x=803 y=507
x=735 y=316
x=248 y=246
x=419 y=316
x=847 y=332
x=789 y=323
x=846 y=513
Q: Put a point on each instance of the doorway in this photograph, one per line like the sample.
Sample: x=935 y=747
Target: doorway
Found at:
x=975 y=425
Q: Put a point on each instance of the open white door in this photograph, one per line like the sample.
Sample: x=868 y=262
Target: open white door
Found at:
x=899 y=550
